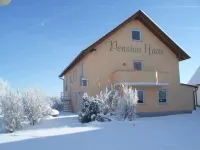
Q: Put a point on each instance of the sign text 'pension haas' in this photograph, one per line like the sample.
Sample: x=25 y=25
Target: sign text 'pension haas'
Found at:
x=114 y=46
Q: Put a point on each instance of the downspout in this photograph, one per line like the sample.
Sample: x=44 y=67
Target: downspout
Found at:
x=195 y=97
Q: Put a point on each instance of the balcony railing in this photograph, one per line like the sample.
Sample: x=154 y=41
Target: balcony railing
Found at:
x=64 y=98
x=143 y=76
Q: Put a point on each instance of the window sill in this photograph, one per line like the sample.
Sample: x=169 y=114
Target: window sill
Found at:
x=137 y=40
x=163 y=103
x=140 y=103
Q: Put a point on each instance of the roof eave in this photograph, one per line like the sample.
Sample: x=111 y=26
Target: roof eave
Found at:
x=138 y=15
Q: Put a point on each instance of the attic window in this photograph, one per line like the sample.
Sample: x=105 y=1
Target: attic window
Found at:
x=136 y=35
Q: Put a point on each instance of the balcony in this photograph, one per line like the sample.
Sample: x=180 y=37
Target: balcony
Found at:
x=144 y=77
x=64 y=98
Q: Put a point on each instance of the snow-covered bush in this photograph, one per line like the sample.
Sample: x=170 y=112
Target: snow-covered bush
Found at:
x=122 y=104
x=102 y=118
x=109 y=99
x=4 y=87
x=91 y=108
x=54 y=113
x=13 y=111
x=127 y=103
x=56 y=103
x=36 y=105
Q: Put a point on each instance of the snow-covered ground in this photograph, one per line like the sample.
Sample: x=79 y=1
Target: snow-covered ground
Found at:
x=178 y=132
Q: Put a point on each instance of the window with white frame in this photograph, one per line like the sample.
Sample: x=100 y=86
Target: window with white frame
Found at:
x=136 y=35
x=84 y=82
x=140 y=96
x=138 y=65
x=162 y=95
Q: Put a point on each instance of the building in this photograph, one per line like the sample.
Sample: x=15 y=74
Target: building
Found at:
x=137 y=53
x=195 y=80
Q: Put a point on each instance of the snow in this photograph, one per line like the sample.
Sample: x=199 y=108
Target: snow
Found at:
x=1 y=130
x=178 y=132
x=54 y=112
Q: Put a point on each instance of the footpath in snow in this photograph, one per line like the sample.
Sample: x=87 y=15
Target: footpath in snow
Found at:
x=178 y=132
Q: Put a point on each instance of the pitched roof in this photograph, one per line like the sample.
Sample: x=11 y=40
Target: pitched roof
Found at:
x=143 y=18
x=194 y=86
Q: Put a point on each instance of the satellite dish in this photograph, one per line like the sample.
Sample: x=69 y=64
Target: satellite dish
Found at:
x=4 y=2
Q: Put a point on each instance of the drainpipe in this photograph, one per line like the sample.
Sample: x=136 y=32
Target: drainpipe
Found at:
x=195 y=97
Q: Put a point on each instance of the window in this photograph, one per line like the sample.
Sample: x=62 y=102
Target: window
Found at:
x=84 y=82
x=71 y=78
x=75 y=74
x=76 y=97
x=162 y=95
x=136 y=35
x=81 y=73
x=66 y=84
x=138 y=65
x=140 y=96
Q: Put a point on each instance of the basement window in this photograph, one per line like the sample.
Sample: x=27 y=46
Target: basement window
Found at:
x=162 y=96
x=136 y=35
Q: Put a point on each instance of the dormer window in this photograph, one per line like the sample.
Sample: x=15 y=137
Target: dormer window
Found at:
x=136 y=35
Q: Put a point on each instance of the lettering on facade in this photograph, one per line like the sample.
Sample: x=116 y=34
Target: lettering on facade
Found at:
x=146 y=49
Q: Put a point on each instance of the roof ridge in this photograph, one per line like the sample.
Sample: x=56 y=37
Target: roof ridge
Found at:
x=150 y=24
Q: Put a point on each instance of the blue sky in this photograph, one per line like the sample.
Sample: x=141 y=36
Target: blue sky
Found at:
x=38 y=39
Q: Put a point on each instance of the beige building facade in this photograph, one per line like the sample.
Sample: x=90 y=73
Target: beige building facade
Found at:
x=136 y=53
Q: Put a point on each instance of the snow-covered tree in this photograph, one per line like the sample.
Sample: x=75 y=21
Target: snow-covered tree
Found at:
x=109 y=99
x=127 y=103
x=56 y=103
x=4 y=87
x=90 y=109
x=36 y=105
x=13 y=111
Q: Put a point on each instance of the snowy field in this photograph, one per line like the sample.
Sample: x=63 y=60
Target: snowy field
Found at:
x=178 y=132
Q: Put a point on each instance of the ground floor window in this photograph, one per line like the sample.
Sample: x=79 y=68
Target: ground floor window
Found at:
x=162 y=95
x=140 y=96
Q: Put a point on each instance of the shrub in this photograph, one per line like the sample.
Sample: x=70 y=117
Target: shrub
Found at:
x=4 y=87
x=127 y=103
x=91 y=108
x=102 y=118
x=109 y=99
x=109 y=102
x=13 y=111
x=56 y=103
x=36 y=105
